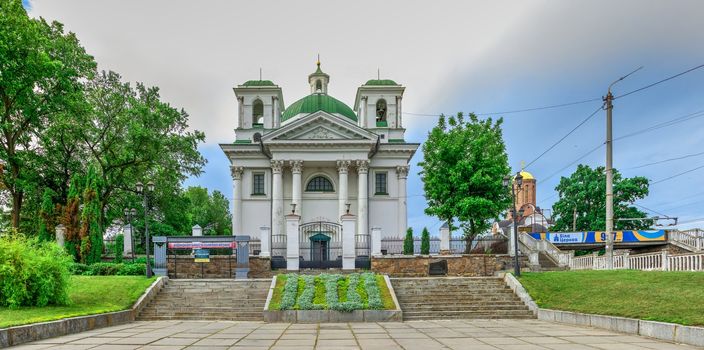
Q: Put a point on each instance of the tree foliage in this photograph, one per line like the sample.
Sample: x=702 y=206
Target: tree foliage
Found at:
x=585 y=192
x=462 y=171
x=91 y=232
x=210 y=211
x=425 y=242
x=41 y=70
x=408 y=242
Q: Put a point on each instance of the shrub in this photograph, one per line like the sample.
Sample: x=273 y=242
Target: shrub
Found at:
x=373 y=292
x=78 y=268
x=119 y=247
x=32 y=273
x=102 y=269
x=408 y=242
x=288 y=299
x=425 y=242
x=132 y=270
x=331 y=297
x=305 y=301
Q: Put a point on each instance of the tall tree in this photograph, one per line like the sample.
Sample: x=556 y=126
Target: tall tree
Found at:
x=41 y=71
x=91 y=232
x=463 y=168
x=47 y=216
x=133 y=136
x=582 y=201
x=210 y=211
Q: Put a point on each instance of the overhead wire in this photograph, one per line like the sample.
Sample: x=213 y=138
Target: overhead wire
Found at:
x=665 y=161
x=659 y=82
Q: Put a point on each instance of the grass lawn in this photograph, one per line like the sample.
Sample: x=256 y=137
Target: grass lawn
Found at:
x=319 y=296
x=676 y=297
x=89 y=295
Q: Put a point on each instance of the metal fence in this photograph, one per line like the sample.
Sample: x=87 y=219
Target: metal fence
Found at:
x=494 y=244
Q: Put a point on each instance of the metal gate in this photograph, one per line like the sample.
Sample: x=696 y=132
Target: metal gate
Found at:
x=278 y=251
x=320 y=245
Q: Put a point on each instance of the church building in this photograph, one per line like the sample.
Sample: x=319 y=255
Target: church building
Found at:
x=320 y=161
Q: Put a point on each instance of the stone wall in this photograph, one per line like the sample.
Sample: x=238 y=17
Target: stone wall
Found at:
x=220 y=266
x=472 y=265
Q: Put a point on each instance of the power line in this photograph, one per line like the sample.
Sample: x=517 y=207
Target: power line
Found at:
x=516 y=110
x=665 y=161
x=650 y=210
x=569 y=165
x=659 y=82
x=664 y=124
x=677 y=175
x=564 y=137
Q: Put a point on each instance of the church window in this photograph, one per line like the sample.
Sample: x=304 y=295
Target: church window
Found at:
x=380 y=183
x=319 y=184
x=258 y=184
x=258 y=112
x=381 y=110
x=318 y=86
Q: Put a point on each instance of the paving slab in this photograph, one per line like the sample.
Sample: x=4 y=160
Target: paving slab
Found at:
x=420 y=335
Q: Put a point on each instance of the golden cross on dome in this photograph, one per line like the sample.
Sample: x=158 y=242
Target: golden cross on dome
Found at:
x=523 y=165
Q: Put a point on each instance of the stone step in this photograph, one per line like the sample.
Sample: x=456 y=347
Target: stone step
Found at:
x=443 y=313
x=488 y=308
x=474 y=316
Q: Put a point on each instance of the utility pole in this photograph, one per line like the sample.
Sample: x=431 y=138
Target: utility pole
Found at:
x=574 y=219
x=608 y=100
x=609 y=183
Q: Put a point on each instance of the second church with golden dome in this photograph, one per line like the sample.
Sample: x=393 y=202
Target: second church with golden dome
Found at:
x=322 y=163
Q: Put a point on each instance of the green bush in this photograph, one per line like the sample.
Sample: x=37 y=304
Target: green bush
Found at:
x=305 y=301
x=408 y=242
x=425 y=242
x=78 y=268
x=373 y=292
x=103 y=269
x=288 y=299
x=119 y=247
x=32 y=273
x=132 y=270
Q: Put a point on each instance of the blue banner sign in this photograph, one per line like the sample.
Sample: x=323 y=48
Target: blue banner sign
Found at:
x=202 y=255
x=600 y=237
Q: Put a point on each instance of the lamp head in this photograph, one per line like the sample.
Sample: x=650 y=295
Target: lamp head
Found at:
x=519 y=180
x=506 y=180
x=348 y=207
x=140 y=187
x=150 y=186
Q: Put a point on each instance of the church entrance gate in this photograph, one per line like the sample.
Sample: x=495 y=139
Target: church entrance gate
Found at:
x=320 y=245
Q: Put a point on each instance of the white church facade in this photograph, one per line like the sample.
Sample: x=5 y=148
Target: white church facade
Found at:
x=305 y=175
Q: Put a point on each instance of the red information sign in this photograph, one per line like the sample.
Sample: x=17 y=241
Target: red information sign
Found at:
x=203 y=245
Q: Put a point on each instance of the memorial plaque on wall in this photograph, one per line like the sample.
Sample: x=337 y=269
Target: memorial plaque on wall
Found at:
x=438 y=268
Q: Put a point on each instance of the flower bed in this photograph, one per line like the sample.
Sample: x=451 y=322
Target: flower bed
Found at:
x=345 y=293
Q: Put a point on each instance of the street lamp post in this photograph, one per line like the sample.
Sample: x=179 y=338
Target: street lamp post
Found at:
x=519 y=182
x=141 y=190
x=129 y=214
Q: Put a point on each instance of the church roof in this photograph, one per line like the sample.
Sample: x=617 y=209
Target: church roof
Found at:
x=526 y=175
x=380 y=82
x=318 y=102
x=258 y=83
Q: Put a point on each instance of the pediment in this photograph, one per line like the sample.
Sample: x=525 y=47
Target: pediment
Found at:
x=320 y=126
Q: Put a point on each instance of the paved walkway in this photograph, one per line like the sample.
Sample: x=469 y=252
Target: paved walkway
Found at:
x=421 y=335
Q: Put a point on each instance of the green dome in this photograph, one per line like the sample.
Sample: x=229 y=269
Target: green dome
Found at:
x=258 y=83
x=381 y=82
x=318 y=102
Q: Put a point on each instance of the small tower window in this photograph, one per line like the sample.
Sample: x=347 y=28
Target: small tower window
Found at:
x=318 y=86
x=258 y=112
x=381 y=110
x=319 y=184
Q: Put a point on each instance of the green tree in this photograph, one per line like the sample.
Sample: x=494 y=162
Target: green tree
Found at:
x=47 y=217
x=425 y=242
x=71 y=219
x=119 y=247
x=91 y=228
x=584 y=194
x=131 y=134
x=210 y=211
x=41 y=69
x=462 y=171
x=408 y=242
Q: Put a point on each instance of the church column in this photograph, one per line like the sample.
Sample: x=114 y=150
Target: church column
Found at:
x=402 y=174
x=296 y=169
x=236 y=172
x=275 y=117
x=277 y=197
x=342 y=167
x=362 y=197
x=240 y=113
x=365 y=122
x=399 y=113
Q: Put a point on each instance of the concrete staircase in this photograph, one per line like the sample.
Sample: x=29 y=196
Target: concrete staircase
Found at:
x=209 y=299
x=457 y=297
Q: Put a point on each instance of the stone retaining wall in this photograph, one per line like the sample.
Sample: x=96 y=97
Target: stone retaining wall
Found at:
x=37 y=331
x=471 y=265
x=220 y=266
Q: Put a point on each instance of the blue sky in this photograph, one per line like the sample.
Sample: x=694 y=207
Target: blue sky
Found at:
x=469 y=56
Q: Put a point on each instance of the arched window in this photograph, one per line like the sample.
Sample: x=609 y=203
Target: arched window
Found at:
x=319 y=184
x=258 y=112
x=318 y=86
x=381 y=110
